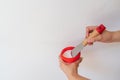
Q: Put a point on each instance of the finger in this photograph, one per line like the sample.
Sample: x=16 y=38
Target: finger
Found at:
x=89 y=29
x=98 y=38
x=91 y=40
x=90 y=44
x=87 y=32
x=78 y=61
x=62 y=62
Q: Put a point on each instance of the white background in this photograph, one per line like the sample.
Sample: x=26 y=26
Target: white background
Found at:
x=33 y=32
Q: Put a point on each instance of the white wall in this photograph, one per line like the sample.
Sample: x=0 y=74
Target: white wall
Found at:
x=33 y=32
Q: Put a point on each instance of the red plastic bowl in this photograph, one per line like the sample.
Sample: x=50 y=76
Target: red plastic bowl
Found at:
x=69 y=60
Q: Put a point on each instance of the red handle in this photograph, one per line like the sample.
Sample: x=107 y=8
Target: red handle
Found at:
x=100 y=28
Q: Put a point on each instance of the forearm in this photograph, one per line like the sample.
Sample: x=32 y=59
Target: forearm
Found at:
x=77 y=77
x=116 y=36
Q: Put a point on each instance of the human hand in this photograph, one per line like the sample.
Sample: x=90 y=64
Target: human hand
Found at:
x=70 y=69
x=106 y=36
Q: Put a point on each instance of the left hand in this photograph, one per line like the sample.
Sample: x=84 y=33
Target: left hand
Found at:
x=70 y=69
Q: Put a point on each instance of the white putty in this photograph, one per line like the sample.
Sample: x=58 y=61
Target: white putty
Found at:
x=67 y=54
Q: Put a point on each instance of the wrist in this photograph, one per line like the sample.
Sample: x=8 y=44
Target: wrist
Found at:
x=115 y=36
x=107 y=36
x=73 y=76
x=76 y=76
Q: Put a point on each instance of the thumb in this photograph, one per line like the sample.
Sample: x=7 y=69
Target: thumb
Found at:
x=79 y=61
x=92 y=40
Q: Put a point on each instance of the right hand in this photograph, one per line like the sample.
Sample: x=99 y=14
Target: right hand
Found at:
x=106 y=36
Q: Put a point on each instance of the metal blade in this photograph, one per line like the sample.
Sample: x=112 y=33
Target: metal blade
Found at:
x=77 y=49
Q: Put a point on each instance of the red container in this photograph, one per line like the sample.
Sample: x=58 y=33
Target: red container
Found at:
x=69 y=60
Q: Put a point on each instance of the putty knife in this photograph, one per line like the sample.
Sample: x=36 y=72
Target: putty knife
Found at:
x=99 y=30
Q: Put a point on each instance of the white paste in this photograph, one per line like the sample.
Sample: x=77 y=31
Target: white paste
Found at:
x=67 y=54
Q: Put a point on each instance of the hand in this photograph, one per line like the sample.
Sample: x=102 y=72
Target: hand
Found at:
x=70 y=69
x=106 y=36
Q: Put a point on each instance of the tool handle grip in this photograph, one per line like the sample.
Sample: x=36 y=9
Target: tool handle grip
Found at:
x=99 y=30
